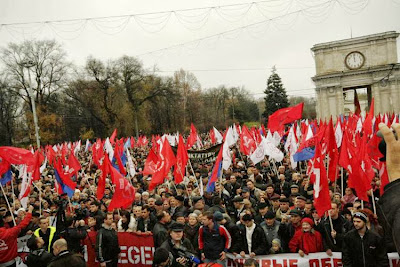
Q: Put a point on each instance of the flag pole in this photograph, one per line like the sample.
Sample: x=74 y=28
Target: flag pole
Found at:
x=194 y=174
x=12 y=193
x=342 y=181
x=330 y=222
x=373 y=201
x=8 y=203
x=40 y=198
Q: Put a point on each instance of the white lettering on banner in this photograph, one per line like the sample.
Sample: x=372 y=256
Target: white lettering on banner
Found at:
x=294 y=260
x=136 y=255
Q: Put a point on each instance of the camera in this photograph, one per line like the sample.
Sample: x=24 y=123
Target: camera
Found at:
x=183 y=252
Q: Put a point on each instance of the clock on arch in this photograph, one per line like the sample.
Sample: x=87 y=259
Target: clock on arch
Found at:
x=354 y=60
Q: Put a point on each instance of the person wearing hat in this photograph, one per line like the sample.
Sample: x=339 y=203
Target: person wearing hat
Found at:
x=246 y=195
x=362 y=247
x=238 y=207
x=179 y=207
x=262 y=211
x=307 y=240
x=271 y=191
x=284 y=208
x=253 y=237
x=176 y=244
x=300 y=202
x=270 y=226
x=288 y=229
x=275 y=202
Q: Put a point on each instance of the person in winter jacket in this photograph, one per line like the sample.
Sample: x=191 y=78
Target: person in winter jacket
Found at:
x=38 y=256
x=8 y=240
x=254 y=240
x=74 y=234
x=388 y=208
x=287 y=230
x=160 y=230
x=127 y=223
x=107 y=247
x=65 y=258
x=362 y=247
x=307 y=240
x=48 y=233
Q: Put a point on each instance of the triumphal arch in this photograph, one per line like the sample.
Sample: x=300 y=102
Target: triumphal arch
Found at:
x=350 y=72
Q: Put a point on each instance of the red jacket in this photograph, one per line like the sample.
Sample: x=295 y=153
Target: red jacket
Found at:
x=8 y=239
x=307 y=242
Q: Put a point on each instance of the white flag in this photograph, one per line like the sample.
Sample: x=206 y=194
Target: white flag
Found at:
x=338 y=134
x=273 y=152
x=109 y=149
x=226 y=152
x=131 y=165
x=77 y=148
x=87 y=145
x=218 y=136
x=259 y=153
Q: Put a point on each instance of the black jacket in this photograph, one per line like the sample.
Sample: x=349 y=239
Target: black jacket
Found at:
x=192 y=234
x=150 y=225
x=107 y=247
x=259 y=243
x=160 y=234
x=388 y=210
x=286 y=232
x=367 y=251
x=67 y=259
x=38 y=258
x=178 y=252
x=341 y=226
x=73 y=236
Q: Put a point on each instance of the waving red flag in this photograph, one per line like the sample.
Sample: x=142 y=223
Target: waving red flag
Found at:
x=105 y=170
x=118 y=150
x=322 y=201
x=113 y=136
x=332 y=151
x=192 y=139
x=73 y=164
x=181 y=161
x=247 y=143
x=36 y=168
x=124 y=193
x=169 y=157
x=17 y=156
x=277 y=121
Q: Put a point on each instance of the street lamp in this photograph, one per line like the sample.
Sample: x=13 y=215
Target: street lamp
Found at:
x=29 y=64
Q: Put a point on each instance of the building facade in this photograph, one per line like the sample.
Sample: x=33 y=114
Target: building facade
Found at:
x=346 y=66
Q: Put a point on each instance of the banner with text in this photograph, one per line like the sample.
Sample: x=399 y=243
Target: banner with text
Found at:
x=136 y=250
x=294 y=260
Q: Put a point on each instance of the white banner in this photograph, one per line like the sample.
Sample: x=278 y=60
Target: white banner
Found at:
x=294 y=260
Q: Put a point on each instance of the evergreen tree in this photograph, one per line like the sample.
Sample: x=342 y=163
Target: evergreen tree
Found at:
x=275 y=95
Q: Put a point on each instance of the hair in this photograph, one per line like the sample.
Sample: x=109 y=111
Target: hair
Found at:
x=208 y=215
x=125 y=213
x=146 y=207
x=217 y=201
x=251 y=262
x=42 y=218
x=160 y=215
x=32 y=243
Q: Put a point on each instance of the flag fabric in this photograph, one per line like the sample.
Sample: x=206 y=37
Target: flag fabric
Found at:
x=108 y=148
x=332 y=152
x=216 y=172
x=322 y=201
x=368 y=126
x=259 y=153
x=25 y=185
x=124 y=193
x=192 y=139
x=247 y=143
x=105 y=170
x=338 y=134
x=17 y=156
x=131 y=165
x=67 y=185
x=113 y=136
x=87 y=146
x=226 y=152
x=118 y=151
x=218 y=135
x=273 y=152
x=73 y=164
x=277 y=120
x=36 y=168
x=181 y=161
x=6 y=177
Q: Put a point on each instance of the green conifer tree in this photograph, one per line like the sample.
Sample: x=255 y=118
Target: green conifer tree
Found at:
x=275 y=95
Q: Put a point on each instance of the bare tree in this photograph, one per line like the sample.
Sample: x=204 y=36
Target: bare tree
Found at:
x=9 y=112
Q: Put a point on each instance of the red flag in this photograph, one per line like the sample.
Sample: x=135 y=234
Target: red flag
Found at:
x=247 y=143
x=65 y=177
x=181 y=161
x=132 y=142
x=4 y=166
x=212 y=136
x=112 y=137
x=73 y=164
x=17 y=156
x=277 y=121
x=38 y=162
x=332 y=151
x=105 y=170
x=367 y=127
x=192 y=139
x=344 y=159
x=124 y=193
x=50 y=154
x=322 y=201
x=169 y=157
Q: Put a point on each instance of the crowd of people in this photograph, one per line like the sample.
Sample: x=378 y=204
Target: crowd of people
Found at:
x=254 y=210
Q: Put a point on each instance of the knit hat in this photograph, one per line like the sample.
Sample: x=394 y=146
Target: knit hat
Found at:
x=361 y=216
x=307 y=220
x=218 y=216
x=276 y=241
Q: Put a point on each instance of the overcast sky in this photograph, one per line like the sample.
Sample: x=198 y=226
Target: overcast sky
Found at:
x=240 y=58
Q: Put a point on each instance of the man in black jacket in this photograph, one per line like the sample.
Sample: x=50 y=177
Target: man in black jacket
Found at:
x=333 y=240
x=147 y=221
x=362 y=247
x=107 y=247
x=254 y=240
x=74 y=235
x=160 y=230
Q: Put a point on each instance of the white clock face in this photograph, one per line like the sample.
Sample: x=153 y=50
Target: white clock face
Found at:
x=354 y=60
